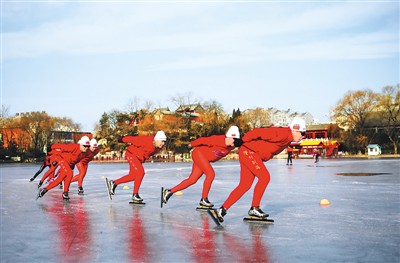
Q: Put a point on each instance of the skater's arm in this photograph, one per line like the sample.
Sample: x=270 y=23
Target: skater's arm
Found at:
x=271 y=134
x=138 y=141
x=211 y=141
x=56 y=148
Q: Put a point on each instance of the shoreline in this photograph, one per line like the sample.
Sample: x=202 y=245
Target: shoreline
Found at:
x=281 y=156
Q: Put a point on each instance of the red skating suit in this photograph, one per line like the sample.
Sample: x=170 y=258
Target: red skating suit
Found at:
x=259 y=145
x=206 y=150
x=67 y=156
x=140 y=150
x=70 y=153
x=83 y=166
x=51 y=161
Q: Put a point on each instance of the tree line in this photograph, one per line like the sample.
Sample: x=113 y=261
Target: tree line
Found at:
x=369 y=117
x=363 y=116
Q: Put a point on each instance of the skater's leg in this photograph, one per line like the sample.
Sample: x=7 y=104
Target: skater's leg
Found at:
x=207 y=169
x=197 y=171
x=49 y=173
x=67 y=178
x=246 y=177
x=134 y=165
x=191 y=180
x=245 y=183
x=263 y=177
x=58 y=180
x=82 y=169
x=39 y=171
x=138 y=175
x=82 y=175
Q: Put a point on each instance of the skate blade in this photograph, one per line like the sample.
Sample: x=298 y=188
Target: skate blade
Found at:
x=162 y=193
x=108 y=189
x=204 y=208
x=136 y=203
x=214 y=217
x=257 y=219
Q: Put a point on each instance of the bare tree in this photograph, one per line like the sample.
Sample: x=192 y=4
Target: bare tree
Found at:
x=38 y=125
x=184 y=99
x=256 y=118
x=389 y=111
x=133 y=104
x=4 y=111
x=352 y=111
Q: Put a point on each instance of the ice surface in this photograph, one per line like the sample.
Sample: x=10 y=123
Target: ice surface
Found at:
x=362 y=223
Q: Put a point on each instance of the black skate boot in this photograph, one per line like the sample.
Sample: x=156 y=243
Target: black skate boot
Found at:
x=255 y=211
x=41 y=193
x=166 y=195
x=80 y=190
x=204 y=203
x=112 y=186
x=65 y=196
x=39 y=184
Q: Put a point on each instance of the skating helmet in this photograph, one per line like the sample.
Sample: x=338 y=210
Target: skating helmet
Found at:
x=85 y=141
x=160 y=136
x=298 y=124
x=233 y=132
x=93 y=143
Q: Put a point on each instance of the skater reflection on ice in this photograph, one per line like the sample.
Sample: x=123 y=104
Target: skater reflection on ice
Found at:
x=201 y=240
x=73 y=225
x=243 y=252
x=138 y=238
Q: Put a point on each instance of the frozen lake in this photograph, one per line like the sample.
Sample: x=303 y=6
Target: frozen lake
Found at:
x=362 y=223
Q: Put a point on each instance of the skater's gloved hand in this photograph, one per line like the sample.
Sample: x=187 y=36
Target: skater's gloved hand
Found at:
x=237 y=142
x=120 y=138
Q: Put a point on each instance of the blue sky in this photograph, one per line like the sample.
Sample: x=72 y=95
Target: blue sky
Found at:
x=79 y=59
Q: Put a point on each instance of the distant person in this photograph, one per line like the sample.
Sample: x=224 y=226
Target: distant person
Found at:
x=206 y=151
x=316 y=155
x=66 y=156
x=84 y=164
x=260 y=145
x=289 y=155
x=139 y=150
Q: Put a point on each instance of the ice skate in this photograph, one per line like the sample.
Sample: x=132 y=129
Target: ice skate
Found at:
x=205 y=204
x=136 y=200
x=165 y=195
x=217 y=214
x=39 y=184
x=80 y=190
x=256 y=212
x=65 y=196
x=41 y=193
x=111 y=187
